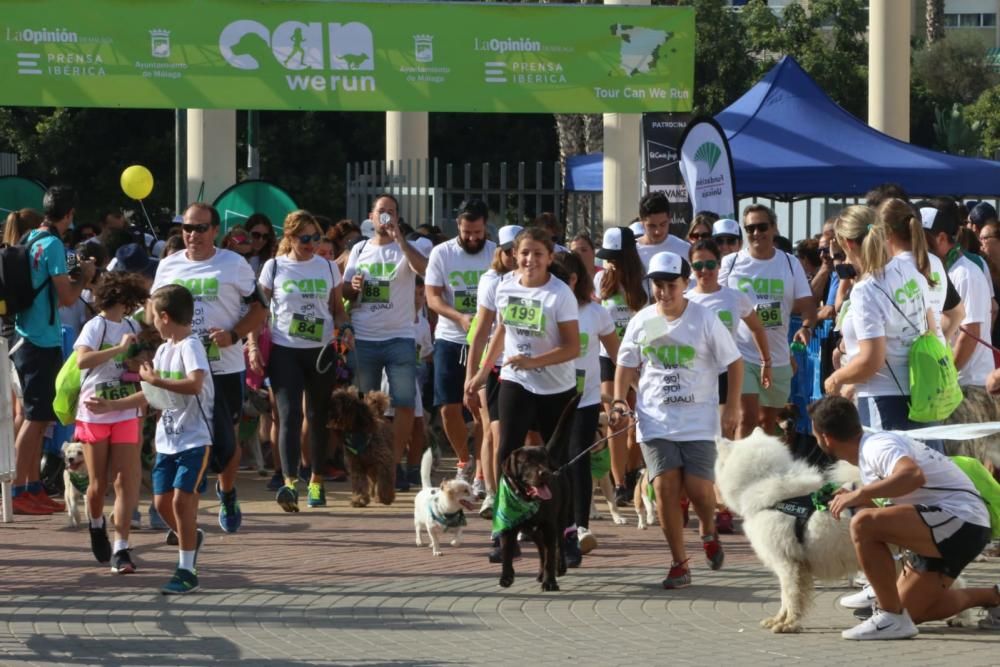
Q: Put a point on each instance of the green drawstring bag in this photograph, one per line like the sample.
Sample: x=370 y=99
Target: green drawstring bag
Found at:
x=934 y=390
x=68 y=384
x=988 y=488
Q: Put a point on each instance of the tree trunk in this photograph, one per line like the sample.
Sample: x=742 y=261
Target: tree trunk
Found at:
x=935 y=20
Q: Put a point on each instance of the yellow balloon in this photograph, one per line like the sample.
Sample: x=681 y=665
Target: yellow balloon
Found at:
x=137 y=182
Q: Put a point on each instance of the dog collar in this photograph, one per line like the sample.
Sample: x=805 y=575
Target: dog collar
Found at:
x=448 y=521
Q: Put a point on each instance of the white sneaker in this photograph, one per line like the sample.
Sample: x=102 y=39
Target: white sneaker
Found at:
x=466 y=472
x=859 y=580
x=587 y=540
x=486 y=509
x=992 y=619
x=860 y=600
x=883 y=625
x=479 y=488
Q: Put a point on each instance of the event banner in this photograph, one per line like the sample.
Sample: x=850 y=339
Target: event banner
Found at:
x=661 y=138
x=353 y=56
x=707 y=168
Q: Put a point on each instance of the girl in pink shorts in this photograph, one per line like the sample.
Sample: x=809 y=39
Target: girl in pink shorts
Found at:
x=111 y=440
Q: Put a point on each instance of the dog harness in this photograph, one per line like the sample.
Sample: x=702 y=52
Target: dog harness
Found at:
x=446 y=521
x=356 y=443
x=79 y=481
x=510 y=509
x=803 y=507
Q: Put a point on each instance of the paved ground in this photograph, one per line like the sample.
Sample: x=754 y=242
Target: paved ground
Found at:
x=345 y=586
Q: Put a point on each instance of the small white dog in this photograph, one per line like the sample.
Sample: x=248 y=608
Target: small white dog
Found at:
x=604 y=484
x=75 y=479
x=439 y=510
x=645 y=508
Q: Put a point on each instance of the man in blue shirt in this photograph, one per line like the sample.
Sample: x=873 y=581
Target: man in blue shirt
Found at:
x=38 y=352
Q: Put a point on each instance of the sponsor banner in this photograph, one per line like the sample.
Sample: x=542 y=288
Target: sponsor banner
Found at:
x=661 y=135
x=299 y=54
x=707 y=168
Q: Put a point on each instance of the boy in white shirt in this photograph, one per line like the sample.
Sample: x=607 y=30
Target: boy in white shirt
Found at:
x=181 y=382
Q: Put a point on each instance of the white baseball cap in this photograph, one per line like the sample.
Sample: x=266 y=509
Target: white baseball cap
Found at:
x=667 y=266
x=423 y=245
x=368 y=229
x=927 y=216
x=507 y=235
x=726 y=227
x=637 y=229
x=615 y=241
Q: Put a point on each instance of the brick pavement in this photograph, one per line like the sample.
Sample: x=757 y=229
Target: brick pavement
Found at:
x=348 y=586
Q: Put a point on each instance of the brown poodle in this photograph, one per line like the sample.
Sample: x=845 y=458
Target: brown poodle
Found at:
x=367 y=436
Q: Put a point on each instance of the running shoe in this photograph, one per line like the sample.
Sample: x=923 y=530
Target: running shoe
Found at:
x=571 y=550
x=276 y=481
x=230 y=515
x=479 y=488
x=486 y=510
x=99 y=543
x=724 y=522
x=121 y=562
x=466 y=471
x=288 y=498
x=412 y=475
x=317 y=495
x=172 y=539
x=991 y=621
x=43 y=500
x=621 y=496
x=183 y=581
x=587 y=540
x=156 y=522
x=713 y=551
x=678 y=577
x=25 y=505
x=883 y=625
x=136 y=519
x=863 y=599
x=334 y=474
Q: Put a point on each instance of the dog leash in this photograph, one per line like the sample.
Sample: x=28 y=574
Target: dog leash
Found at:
x=978 y=339
x=604 y=439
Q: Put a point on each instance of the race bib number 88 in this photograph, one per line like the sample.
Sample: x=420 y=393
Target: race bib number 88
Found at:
x=375 y=292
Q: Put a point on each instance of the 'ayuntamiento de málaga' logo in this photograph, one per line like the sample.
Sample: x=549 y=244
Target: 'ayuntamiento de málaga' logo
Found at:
x=298 y=46
x=709 y=153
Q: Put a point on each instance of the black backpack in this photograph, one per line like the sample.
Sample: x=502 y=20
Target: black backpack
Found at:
x=16 y=291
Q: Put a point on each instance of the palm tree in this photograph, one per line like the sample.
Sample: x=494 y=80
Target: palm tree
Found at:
x=935 y=20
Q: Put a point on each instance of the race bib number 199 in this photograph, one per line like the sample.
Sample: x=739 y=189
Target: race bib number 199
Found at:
x=523 y=313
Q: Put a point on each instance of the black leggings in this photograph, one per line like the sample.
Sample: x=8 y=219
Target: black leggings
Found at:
x=522 y=411
x=292 y=371
x=582 y=436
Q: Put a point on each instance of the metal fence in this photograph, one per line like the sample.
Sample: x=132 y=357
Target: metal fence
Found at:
x=431 y=193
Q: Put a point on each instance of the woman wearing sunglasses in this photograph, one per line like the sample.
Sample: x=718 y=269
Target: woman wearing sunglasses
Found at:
x=306 y=307
x=701 y=227
x=262 y=241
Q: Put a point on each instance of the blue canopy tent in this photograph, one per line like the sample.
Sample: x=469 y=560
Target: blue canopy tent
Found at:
x=585 y=173
x=790 y=141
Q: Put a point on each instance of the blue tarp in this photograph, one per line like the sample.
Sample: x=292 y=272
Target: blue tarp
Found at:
x=789 y=140
x=585 y=173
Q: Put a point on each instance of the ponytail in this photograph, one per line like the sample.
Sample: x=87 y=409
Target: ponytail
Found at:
x=918 y=245
x=874 y=250
x=859 y=224
x=900 y=221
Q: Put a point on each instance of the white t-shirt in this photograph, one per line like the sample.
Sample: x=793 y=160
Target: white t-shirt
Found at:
x=385 y=308
x=617 y=309
x=880 y=452
x=219 y=285
x=300 y=306
x=486 y=297
x=672 y=244
x=459 y=273
x=871 y=315
x=105 y=380
x=773 y=285
x=974 y=288
x=77 y=314
x=679 y=362
x=594 y=323
x=937 y=295
x=185 y=428
x=729 y=304
x=531 y=317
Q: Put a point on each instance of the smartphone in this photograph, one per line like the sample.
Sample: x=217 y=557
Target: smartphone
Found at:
x=846 y=271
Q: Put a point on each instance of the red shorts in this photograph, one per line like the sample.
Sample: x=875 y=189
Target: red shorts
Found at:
x=118 y=433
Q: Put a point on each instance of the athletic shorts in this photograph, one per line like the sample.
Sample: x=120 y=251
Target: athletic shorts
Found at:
x=184 y=471
x=781 y=385
x=118 y=433
x=696 y=457
x=226 y=412
x=958 y=541
x=449 y=372
x=37 y=368
x=607 y=369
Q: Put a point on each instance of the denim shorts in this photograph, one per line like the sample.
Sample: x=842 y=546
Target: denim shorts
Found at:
x=184 y=471
x=398 y=356
x=449 y=372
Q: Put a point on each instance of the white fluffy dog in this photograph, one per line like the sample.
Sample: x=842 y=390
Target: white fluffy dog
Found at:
x=439 y=510
x=754 y=475
x=75 y=480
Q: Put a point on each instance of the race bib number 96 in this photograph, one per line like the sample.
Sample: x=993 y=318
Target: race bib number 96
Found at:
x=770 y=314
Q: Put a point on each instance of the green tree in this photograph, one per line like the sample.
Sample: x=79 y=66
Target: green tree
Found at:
x=953 y=69
x=986 y=112
x=722 y=69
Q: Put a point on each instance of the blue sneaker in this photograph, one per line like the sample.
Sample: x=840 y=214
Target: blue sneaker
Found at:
x=276 y=482
x=230 y=516
x=288 y=498
x=317 y=495
x=183 y=581
x=156 y=522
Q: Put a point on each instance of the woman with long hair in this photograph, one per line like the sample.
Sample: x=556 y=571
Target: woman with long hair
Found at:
x=621 y=289
x=262 y=241
x=238 y=240
x=343 y=235
x=306 y=306
x=19 y=223
x=701 y=227
x=582 y=245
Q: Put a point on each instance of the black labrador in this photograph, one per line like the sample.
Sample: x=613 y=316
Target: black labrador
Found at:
x=533 y=474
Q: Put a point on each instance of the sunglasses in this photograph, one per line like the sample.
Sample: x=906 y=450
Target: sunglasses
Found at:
x=309 y=238
x=257 y=236
x=708 y=265
x=727 y=240
x=704 y=236
x=200 y=228
x=758 y=228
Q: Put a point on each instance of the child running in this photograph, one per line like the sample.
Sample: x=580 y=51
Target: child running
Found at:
x=111 y=439
x=183 y=436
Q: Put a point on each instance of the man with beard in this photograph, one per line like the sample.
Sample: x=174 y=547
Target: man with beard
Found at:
x=453 y=272
x=380 y=278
